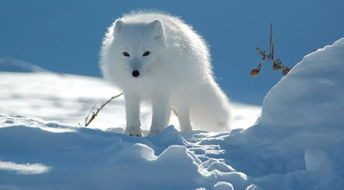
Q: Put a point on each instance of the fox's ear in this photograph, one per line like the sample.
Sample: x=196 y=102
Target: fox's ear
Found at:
x=157 y=29
x=118 y=27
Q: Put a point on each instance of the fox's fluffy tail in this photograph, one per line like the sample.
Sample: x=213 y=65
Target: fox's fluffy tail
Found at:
x=211 y=111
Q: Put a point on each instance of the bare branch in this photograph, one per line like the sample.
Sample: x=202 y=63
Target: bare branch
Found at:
x=277 y=64
x=90 y=117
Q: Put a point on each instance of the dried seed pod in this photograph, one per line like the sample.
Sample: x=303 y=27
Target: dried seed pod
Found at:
x=276 y=66
x=285 y=71
x=261 y=52
x=254 y=72
x=270 y=57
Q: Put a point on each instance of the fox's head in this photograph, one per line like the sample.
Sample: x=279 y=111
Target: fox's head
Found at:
x=137 y=46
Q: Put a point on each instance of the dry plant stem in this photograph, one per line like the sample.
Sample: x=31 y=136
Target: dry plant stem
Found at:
x=92 y=115
x=277 y=64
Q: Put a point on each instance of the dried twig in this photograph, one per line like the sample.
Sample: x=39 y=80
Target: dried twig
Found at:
x=277 y=63
x=90 y=117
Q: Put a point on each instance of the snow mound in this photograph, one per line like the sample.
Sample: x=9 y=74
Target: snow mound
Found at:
x=314 y=89
x=298 y=142
x=34 y=153
x=13 y=65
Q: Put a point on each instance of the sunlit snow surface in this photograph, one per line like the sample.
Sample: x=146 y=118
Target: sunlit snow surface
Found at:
x=296 y=144
x=69 y=99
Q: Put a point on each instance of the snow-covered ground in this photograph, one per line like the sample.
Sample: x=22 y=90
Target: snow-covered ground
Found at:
x=69 y=99
x=296 y=144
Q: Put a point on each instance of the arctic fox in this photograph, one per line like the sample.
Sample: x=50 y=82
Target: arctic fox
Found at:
x=158 y=58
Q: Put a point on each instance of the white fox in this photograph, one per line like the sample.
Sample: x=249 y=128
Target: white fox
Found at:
x=158 y=58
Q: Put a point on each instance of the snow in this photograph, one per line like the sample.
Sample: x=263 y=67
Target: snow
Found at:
x=222 y=185
x=314 y=88
x=295 y=144
x=69 y=98
x=24 y=168
x=93 y=159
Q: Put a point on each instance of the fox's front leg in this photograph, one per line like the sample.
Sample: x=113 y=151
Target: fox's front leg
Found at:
x=132 y=110
x=161 y=114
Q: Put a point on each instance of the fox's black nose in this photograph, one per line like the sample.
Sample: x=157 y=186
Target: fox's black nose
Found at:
x=135 y=73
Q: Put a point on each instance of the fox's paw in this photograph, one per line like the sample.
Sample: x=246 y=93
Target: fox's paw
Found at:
x=133 y=131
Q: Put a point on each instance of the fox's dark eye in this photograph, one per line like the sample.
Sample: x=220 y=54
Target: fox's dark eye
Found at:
x=146 y=53
x=126 y=54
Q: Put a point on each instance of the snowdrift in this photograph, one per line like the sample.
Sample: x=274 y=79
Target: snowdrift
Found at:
x=296 y=144
x=298 y=141
x=45 y=155
x=311 y=94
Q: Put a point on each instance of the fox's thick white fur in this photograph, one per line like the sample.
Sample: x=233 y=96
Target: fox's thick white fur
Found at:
x=175 y=75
